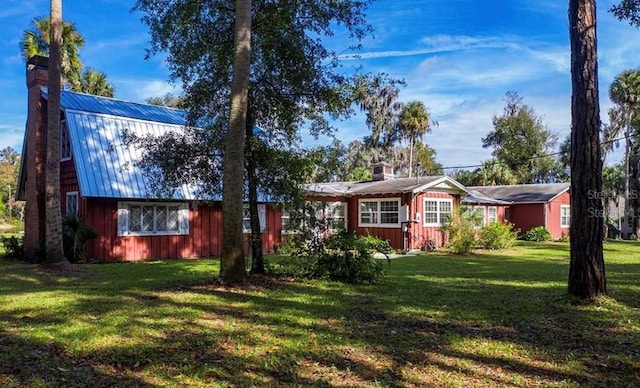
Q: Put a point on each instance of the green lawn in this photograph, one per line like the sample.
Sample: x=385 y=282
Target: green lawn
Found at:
x=488 y=319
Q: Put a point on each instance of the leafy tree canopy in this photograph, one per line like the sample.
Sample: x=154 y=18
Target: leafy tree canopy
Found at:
x=628 y=10
x=521 y=141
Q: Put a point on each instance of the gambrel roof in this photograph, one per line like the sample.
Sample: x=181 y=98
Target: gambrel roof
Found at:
x=105 y=163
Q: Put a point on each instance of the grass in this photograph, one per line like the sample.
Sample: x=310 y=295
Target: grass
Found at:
x=494 y=318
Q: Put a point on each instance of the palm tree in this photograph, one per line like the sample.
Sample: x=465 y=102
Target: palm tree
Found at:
x=95 y=83
x=625 y=93
x=232 y=264
x=53 y=218
x=413 y=123
x=37 y=41
x=494 y=172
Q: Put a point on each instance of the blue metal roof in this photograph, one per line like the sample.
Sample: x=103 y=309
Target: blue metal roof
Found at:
x=110 y=106
x=106 y=166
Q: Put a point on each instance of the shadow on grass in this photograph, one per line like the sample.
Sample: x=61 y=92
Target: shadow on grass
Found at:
x=487 y=319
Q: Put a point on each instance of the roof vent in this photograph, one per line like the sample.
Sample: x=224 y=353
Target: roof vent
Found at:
x=382 y=171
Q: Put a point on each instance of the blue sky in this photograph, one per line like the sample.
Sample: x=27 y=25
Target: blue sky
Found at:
x=459 y=57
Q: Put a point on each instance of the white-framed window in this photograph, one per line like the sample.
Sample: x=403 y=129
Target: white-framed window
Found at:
x=335 y=214
x=287 y=223
x=384 y=212
x=71 y=207
x=246 y=218
x=565 y=216
x=492 y=214
x=153 y=218
x=436 y=211
x=65 y=142
x=475 y=214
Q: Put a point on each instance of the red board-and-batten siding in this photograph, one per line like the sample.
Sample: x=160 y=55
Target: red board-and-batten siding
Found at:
x=417 y=234
x=526 y=216
x=204 y=238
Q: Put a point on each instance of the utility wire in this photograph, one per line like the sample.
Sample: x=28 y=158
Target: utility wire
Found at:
x=524 y=160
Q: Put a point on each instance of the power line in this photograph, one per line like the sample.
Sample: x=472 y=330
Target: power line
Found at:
x=523 y=160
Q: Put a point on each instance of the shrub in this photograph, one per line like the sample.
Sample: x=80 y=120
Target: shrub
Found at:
x=348 y=258
x=75 y=234
x=291 y=244
x=497 y=235
x=376 y=244
x=462 y=236
x=13 y=246
x=343 y=257
x=539 y=233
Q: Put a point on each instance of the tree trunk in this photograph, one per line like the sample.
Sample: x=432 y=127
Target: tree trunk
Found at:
x=411 y=142
x=232 y=264
x=586 y=273
x=257 y=256
x=53 y=217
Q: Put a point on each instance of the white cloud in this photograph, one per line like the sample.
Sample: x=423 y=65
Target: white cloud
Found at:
x=141 y=90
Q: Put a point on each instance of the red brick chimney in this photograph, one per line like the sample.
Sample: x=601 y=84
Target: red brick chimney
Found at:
x=36 y=156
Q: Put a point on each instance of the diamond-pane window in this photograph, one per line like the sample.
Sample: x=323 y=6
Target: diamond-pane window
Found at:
x=161 y=218
x=147 y=218
x=135 y=218
x=173 y=218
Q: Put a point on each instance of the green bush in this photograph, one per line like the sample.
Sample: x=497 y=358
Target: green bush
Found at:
x=13 y=246
x=462 y=236
x=497 y=235
x=342 y=257
x=539 y=233
x=291 y=244
x=348 y=258
x=376 y=244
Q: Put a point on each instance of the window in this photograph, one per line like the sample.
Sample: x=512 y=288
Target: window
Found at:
x=492 y=214
x=72 y=203
x=475 y=214
x=65 y=142
x=137 y=219
x=330 y=216
x=565 y=216
x=436 y=211
x=287 y=223
x=335 y=215
x=246 y=218
x=385 y=212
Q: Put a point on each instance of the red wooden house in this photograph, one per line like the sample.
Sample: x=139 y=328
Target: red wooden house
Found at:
x=528 y=206
x=101 y=183
x=409 y=212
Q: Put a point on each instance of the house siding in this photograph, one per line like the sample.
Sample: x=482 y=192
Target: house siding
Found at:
x=204 y=238
x=392 y=234
x=527 y=216
x=420 y=234
x=553 y=215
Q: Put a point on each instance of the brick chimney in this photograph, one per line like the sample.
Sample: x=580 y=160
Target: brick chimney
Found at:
x=382 y=171
x=36 y=156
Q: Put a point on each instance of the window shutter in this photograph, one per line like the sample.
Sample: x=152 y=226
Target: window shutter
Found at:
x=123 y=219
x=184 y=218
x=262 y=216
